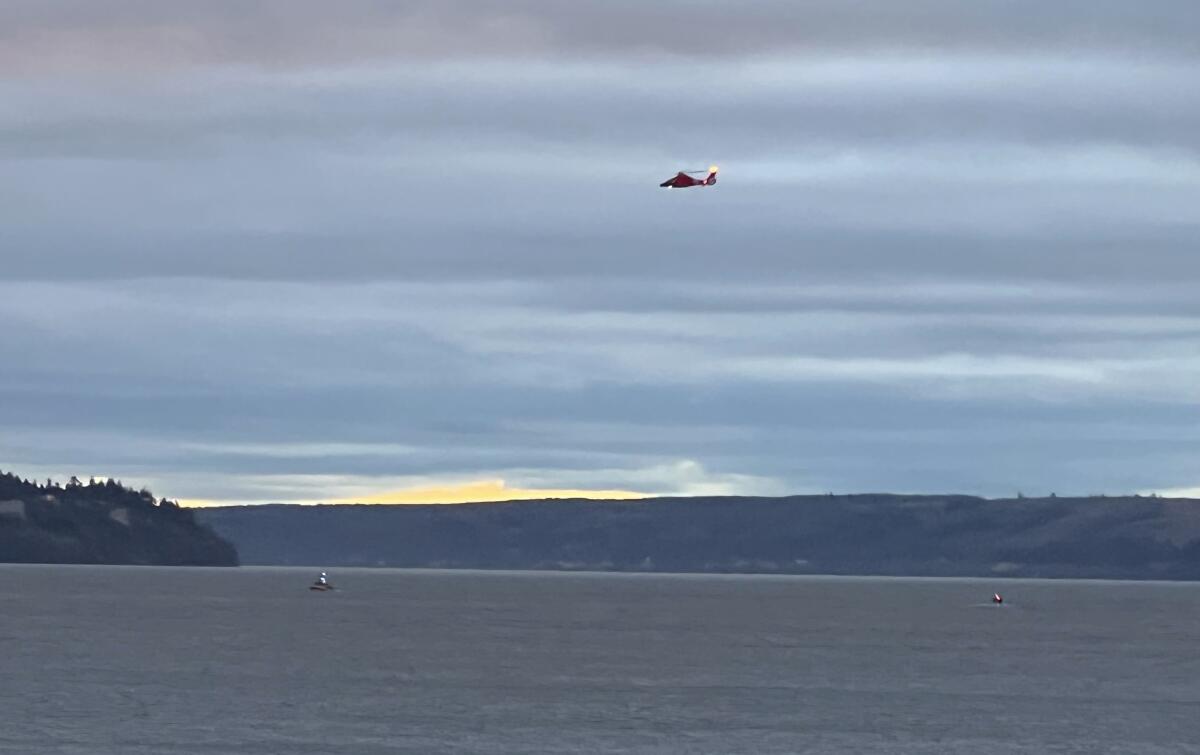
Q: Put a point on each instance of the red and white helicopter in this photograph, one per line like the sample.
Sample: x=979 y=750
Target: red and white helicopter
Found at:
x=685 y=178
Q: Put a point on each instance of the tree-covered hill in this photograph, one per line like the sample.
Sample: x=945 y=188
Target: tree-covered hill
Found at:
x=101 y=523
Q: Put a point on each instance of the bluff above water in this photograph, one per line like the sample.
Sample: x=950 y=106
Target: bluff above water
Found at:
x=1102 y=537
x=102 y=523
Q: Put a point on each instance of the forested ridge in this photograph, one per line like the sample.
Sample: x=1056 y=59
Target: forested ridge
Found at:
x=101 y=522
x=1128 y=537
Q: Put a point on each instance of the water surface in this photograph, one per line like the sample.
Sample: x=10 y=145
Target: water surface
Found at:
x=132 y=660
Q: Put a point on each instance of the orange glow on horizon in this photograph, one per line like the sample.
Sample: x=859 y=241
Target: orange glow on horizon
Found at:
x=480 y=491
x=483 y=491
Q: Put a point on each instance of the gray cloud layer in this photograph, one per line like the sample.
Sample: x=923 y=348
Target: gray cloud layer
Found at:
x=41 y=35
x=298 y=249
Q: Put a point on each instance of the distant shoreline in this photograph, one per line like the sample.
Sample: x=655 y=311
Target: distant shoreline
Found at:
x=1129 y=538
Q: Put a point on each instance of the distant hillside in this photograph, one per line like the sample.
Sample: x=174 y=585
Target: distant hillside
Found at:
x=101 y=523
x=1133 y=538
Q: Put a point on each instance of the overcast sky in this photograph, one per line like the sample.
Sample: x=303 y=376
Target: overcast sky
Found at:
x=301 y=250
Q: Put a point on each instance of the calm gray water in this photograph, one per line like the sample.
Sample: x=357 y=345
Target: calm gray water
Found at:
x=100 y=661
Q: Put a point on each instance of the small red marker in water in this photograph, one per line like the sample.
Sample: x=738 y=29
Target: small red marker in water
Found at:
x=996 y=598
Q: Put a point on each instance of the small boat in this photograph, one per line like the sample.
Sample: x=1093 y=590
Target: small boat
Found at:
x=321 y=585
x=997 y=598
